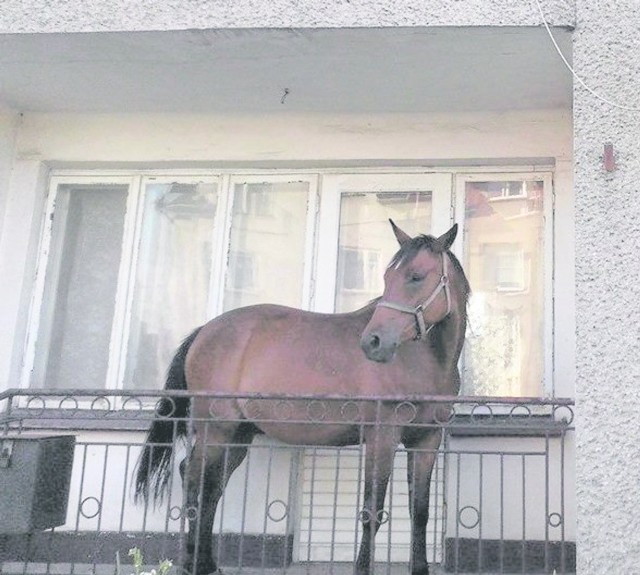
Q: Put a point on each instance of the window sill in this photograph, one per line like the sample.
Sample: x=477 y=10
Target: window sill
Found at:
x=507 y=426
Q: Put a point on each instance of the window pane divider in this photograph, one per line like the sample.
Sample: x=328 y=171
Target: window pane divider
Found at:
x=125 y=289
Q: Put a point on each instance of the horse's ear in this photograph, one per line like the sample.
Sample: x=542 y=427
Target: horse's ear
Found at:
x=401 y=236
x=446 y=240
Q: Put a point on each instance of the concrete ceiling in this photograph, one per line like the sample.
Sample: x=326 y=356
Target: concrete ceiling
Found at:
x=275 y=70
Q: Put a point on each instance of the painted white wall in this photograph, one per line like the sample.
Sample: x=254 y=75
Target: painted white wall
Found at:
x=101 y=489
x=8 y=129
x=505 y=494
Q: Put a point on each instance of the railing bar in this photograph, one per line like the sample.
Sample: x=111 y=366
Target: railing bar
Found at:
x=220 y=515
x=335 y=509
x=457 y=541
x=389 y=518
x=124 y=488
x=546 y=506
x=524 y=516
x=172 y=466
x=501 y=553
x=243 y=520
x=562 y=507
x=311 y=506
x=263 y=557
x=80 y=491
x=480 y=517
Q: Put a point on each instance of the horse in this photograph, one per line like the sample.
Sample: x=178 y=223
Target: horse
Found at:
x=404 y=344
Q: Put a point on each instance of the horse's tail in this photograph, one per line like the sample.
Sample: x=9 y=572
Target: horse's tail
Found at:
x=154 y=464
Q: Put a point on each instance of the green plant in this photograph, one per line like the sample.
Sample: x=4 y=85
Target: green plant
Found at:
x=138 y=564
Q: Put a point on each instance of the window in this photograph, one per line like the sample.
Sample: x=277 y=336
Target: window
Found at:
x=172 y=274
x=132 y=264
x=87 y=231
x=505 y=257
x=360 y=270
x=135 y=264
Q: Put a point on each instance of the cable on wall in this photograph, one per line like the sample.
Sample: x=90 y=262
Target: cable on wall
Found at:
x=573 y=72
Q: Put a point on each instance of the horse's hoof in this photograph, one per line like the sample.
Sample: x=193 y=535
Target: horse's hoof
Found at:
x=422 y=571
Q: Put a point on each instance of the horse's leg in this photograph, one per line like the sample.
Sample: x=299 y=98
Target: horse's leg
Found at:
x=380 y=451
x=206 y=476
x=421 y=455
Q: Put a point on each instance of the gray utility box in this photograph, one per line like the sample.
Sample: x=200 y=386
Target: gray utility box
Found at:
x=35 y=473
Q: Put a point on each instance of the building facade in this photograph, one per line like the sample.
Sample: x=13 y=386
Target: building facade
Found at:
x=160 y=164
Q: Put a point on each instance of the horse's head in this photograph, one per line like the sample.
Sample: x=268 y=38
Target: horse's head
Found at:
x=416 y=294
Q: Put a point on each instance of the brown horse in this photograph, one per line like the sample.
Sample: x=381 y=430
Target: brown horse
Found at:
x=411 y=338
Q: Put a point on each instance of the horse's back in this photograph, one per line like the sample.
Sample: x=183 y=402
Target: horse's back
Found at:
x=274 y=349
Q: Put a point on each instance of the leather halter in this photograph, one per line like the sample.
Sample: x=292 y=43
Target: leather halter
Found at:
x=417 y=312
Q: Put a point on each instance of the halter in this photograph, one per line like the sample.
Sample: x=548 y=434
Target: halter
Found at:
x=417 y=312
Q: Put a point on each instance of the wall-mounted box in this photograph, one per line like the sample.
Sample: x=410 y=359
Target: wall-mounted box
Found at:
x=35 y=474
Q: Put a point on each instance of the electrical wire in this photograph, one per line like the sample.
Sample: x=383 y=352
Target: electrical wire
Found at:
x=573 y=72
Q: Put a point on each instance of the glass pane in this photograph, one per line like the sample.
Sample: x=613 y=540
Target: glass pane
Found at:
x=72 y=350
x=504 y=258
x=266 y=253
x=172 y=277
x=366 y=243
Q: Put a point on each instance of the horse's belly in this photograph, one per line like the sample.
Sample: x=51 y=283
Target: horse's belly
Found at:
x=311 y=433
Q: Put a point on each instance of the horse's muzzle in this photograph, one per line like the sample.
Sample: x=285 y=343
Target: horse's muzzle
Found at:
x=377 y=348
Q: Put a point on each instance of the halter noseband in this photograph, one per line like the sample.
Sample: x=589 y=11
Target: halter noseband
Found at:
x=417 y=312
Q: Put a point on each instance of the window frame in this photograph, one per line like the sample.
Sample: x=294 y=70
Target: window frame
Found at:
x=321 y=243
x=547 y=388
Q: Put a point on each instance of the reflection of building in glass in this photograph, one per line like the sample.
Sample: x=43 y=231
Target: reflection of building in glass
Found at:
x=366 y=244
x=504 y=261
x=267 y=244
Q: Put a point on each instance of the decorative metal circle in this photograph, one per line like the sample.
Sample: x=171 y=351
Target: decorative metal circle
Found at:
x=283 y=410
x=477 y=414
x=563 y=414
x=132 y=403
x=101 y=399
x=191 y=513
x=364 y=516
x=38 y=407
x=277 y=510
x=87 y=501
x=405 y=412
x=68 y=400
x=382 y=516
x=443 y=414
x=350 y=412
x=317 y=410
x=472 y=517
x=253 y=408
x=555 y=519
x=175 y=513
x=161 y=405
x=520 y=411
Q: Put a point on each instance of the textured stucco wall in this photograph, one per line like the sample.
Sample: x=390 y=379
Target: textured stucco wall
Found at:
x=102 y=15
x=607 y=57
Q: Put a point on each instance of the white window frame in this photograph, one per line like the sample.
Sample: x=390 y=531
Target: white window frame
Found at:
x=46 y=253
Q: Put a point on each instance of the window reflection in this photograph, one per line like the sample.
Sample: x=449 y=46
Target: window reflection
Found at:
x=366 y=243
x=504 y=256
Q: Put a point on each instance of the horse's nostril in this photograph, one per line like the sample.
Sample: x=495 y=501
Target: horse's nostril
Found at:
x=374 y=341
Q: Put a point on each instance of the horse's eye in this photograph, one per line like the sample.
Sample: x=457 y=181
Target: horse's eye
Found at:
x=416 y=278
